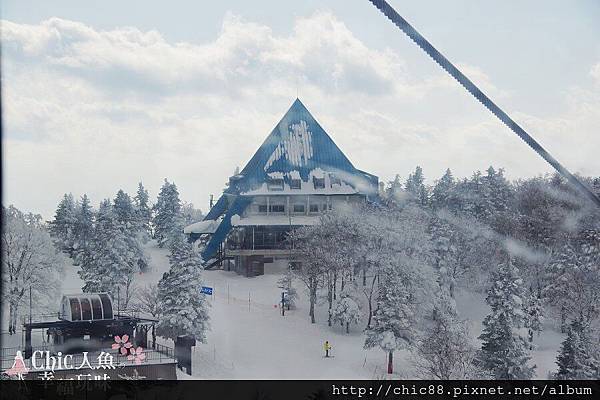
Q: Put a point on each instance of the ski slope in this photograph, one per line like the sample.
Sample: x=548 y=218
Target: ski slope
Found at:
x=249 y=339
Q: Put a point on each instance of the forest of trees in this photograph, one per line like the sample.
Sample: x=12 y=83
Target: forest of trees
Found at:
x=107 y=244
x=30 y=265
x=532 y=245
x=391 y=268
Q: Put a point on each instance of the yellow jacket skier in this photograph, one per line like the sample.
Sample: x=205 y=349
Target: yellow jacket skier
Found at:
x=326 y=347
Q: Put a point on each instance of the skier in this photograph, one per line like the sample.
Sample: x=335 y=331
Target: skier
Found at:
x=326 y=347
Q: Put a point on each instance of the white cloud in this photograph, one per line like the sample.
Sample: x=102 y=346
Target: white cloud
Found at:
x=595 y=72
x=93 y=111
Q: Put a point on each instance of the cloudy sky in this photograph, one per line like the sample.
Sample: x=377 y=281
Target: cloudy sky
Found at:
x=99 y=95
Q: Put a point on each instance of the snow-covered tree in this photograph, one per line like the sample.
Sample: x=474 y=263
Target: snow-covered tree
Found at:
x=190 y=214
x=29 y=260
x=393 y=325
x=573 y=278
x=445 y=349
x=310 y=250
x=415 y=187
x=577 y=359
x=127 y=223
x=505 y=352
x=534 y=313
x=442 y=191
x=286 y=284
x=337 y=236
x=124 y=211
x=147 y=301
x=167 y=213
x=84 y=227
x=62 y=226
x=394 y=192
x=113 y=258
x=450 y=251
x=183 y=310
x=498 y=192
x=143 y=213
x=346 y=309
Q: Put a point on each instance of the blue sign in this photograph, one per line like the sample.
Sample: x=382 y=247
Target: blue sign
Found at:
x=206 y=290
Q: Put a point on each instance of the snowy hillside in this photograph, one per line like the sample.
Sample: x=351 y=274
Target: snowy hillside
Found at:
x=251 y=340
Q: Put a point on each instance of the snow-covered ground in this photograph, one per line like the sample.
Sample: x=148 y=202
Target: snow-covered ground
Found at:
x=249 y=339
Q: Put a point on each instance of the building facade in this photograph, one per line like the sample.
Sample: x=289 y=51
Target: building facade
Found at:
x=295 y=175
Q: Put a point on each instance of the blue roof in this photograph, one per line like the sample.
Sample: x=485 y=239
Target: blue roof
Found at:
x=297 y=143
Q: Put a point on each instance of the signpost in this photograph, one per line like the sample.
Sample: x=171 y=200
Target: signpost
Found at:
x=206 y=290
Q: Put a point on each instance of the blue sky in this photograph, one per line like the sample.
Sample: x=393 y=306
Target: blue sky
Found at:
x=143 y=90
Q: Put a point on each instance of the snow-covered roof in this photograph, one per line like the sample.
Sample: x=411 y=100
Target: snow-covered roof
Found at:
x=206 y=226
x=260 y=220
x=297 y=148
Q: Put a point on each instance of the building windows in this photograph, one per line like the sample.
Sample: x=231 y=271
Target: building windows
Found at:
x=314 y=208
x=334 y=180
x=275 y=184
x=319 y=182
x=277 y=208
x=295 y=183
x=299 y=208
x=262 y=208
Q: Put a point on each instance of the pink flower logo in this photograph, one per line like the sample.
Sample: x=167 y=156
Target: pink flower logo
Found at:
x=136 y=355
x=122 y=343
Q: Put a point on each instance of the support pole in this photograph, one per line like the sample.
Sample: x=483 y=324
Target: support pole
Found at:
x=30 y=304
x=28 y=348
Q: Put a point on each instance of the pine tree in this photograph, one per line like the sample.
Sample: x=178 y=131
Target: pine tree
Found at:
x=469 y=195
x=394 y=191
x=346 y=309
x=416 y=188
x=392 y=326
x=573 y=278
x=167 y=213
x=534 y=314
x=442 y=191
x=183 y=310
x=84 y=227
x=285 y=283
x=61 y=228
x=445 y=349
x=143 y=212
x=576 y=360
x=498 y=195
x=504 y=351
x=124 y=212
x=113 y=258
